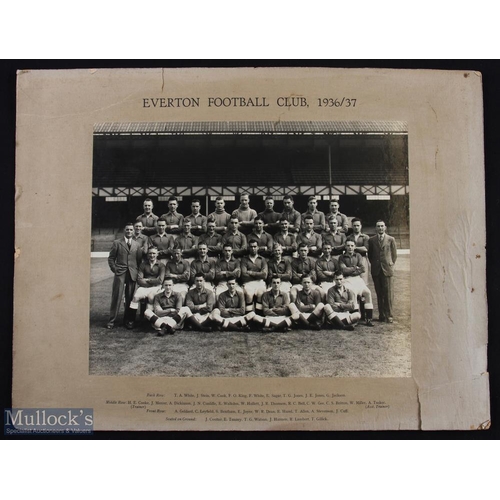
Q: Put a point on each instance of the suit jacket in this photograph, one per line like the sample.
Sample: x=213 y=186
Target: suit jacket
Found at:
x=382 y=258
x=122 y=259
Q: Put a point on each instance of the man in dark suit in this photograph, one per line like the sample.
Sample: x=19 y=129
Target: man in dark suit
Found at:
x=124 y=259
x=382 y=253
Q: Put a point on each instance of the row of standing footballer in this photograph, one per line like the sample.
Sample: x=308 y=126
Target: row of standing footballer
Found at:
x=240 y=271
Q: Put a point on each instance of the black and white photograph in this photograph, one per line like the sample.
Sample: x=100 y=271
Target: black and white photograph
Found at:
x=240 y=248
x=250 y=249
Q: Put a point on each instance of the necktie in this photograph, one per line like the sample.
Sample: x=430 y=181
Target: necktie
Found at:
x=128 y=244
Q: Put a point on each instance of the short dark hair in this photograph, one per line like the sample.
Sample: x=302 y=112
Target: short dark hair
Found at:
x=275 y=277
x=172 y=198
x=199 y=275
x=258 y=218
x=196 y=200
x=288 y=197
x=302 y=245
x=356 y=219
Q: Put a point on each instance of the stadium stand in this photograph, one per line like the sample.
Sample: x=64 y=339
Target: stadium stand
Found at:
x=349 y=160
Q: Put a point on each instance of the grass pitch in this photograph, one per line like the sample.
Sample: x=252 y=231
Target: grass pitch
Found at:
x=381 y=351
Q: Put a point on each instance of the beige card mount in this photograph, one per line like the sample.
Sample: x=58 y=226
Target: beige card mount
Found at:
x=404 y=146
